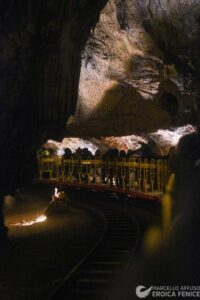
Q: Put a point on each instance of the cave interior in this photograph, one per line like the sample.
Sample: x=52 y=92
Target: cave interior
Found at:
x=97 y=74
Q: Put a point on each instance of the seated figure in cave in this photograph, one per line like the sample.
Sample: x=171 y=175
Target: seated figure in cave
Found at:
x=58 y=205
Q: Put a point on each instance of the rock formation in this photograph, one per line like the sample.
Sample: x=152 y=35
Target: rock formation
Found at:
x=140 y=69
x=161 y=142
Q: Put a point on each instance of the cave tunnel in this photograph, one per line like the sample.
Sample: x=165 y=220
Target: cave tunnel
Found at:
x=169 y=103
x=43 y=45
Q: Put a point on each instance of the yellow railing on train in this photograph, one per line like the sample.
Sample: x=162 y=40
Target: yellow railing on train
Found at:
x=135 y=174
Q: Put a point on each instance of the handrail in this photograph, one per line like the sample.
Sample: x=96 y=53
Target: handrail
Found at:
x=136 y=174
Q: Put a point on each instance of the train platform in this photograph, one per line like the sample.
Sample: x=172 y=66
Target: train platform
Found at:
x=149 y=196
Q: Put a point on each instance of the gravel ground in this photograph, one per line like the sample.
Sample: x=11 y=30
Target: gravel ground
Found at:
x=38 y=256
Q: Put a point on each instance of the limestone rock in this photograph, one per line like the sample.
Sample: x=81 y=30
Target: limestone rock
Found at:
x=139 y=69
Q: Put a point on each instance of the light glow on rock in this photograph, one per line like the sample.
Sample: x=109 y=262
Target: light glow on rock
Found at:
x=125 y=142
x=163 y=138
x=74 y=144
x=168 y=138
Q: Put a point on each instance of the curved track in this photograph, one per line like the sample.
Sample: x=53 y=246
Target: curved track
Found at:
x=99 y=272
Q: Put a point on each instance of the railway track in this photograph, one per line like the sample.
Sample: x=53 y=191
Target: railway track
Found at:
x=99 y=272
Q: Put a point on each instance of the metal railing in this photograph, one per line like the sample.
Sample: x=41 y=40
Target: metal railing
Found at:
x=135 y=174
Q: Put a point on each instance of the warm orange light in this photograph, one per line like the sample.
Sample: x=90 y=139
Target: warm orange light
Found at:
x=39 y=219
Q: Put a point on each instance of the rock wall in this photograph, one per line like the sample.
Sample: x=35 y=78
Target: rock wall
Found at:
x=140 y=69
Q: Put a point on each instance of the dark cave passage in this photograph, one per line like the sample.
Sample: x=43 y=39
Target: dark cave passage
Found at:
x=169 y=103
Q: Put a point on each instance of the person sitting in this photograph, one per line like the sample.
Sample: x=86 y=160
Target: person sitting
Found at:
x=58 y=205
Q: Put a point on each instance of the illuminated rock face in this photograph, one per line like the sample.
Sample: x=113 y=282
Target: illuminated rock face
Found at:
x=160 y=142
x=139 y=68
